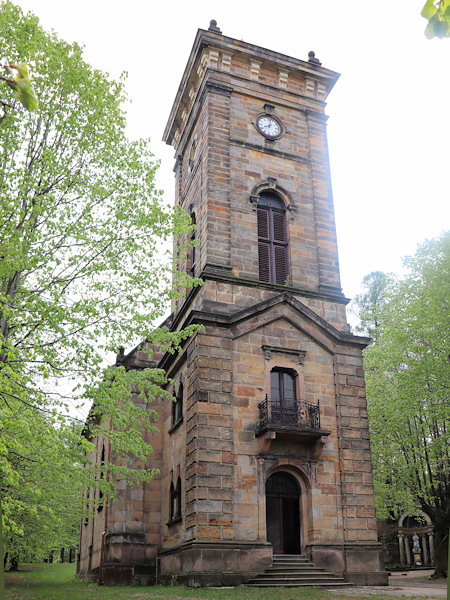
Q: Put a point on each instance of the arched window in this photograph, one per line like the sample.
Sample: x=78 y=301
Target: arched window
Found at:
x=193 y=248
x=172 y=501
x=177 y=407
x=282 y=388
x=272 y=239
x=178 y=498
x=283 y=397
x=175 y=501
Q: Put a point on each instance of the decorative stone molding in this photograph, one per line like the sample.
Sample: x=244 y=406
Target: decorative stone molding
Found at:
x=298 y=354
x=226 y=62
x=265 y=441
x=283 y=78
x=213 y=59
x=214 y=27
x=176 y=137
x=184 y=115
x=313 y=59
x=209 y=59
x=253 y=199
x=192 y=94
x=316 y=451
x=203 y=63
x=321 y=91
x=271 y=183
x=255 y=66
x=310 y=87
x=269 y=108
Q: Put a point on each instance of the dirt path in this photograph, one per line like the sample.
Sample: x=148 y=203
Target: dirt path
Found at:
x=408 y=584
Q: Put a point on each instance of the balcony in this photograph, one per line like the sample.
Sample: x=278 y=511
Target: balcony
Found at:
x=296 y=420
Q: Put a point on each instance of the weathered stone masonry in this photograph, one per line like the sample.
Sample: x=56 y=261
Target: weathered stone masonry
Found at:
x=226 y=448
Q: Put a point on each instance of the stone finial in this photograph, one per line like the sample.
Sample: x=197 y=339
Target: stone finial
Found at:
x=312 y=58
x=213 y=26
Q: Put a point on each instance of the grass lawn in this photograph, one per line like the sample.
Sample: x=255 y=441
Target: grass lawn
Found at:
x=58 y=582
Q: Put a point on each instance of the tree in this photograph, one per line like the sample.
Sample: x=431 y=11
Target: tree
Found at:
x=82 y=272
x=42 y=507
x=368 y=305
x=407 y=378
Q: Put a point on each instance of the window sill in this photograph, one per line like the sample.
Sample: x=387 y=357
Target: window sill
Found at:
x=174 y=521
x=175 y=425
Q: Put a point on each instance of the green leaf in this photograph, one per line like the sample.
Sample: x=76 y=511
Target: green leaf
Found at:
x=438 y=15
x=429 y=10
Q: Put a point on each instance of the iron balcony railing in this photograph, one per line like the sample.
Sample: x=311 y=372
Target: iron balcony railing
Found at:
x=293 y=414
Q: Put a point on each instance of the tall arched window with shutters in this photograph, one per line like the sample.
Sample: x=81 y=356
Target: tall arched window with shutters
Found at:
x=193 y=248
x=272 y=239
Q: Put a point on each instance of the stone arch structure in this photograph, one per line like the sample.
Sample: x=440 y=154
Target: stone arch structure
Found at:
x=302 y=521
x=271 y=185
x=408 y=525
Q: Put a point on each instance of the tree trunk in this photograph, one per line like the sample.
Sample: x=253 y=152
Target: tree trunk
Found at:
x=14 y=564
x=61 y=555
x=441 y=549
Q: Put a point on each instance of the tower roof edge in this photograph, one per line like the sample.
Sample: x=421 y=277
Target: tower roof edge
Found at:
x=214 y=40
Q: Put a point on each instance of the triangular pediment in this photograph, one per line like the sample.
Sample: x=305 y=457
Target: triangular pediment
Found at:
x=285 y=307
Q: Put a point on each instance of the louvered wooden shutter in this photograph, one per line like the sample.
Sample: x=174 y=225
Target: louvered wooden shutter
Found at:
x=264 y=261
x=279 y=233
x=280 y=256
x=263 y=223
x=272 y=243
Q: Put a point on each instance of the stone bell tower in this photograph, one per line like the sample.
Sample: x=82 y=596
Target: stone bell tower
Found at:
x=274 y=386
x=266 y=451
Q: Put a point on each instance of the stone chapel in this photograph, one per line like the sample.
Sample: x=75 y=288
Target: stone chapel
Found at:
x=266 y=451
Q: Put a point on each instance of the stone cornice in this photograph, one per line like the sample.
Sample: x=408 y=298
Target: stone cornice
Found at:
x=223 y=274
x=214 y=51
x=229 y=320
x=305 y=160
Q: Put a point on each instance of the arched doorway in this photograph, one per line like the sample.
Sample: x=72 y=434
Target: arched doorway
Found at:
x=283 y=513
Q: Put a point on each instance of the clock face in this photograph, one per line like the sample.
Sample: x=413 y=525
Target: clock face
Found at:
x=269 y=127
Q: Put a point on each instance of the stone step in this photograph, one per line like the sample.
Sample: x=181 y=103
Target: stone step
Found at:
x=304 y=561
x=295 y=571
x=304 y=584
x=297 y=578
x=305 y=569
x=307 y=574
x=280 y=557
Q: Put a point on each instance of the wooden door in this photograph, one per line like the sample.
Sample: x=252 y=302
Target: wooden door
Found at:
x=283 y=513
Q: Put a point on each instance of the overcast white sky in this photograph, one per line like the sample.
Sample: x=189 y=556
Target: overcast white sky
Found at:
x=388 y=114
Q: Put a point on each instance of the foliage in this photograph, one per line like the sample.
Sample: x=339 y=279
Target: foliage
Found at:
x=367 y=305
x=21 y=86
x=82 y=273
x=437 y=12
x=407 y=378
x=42 y=496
